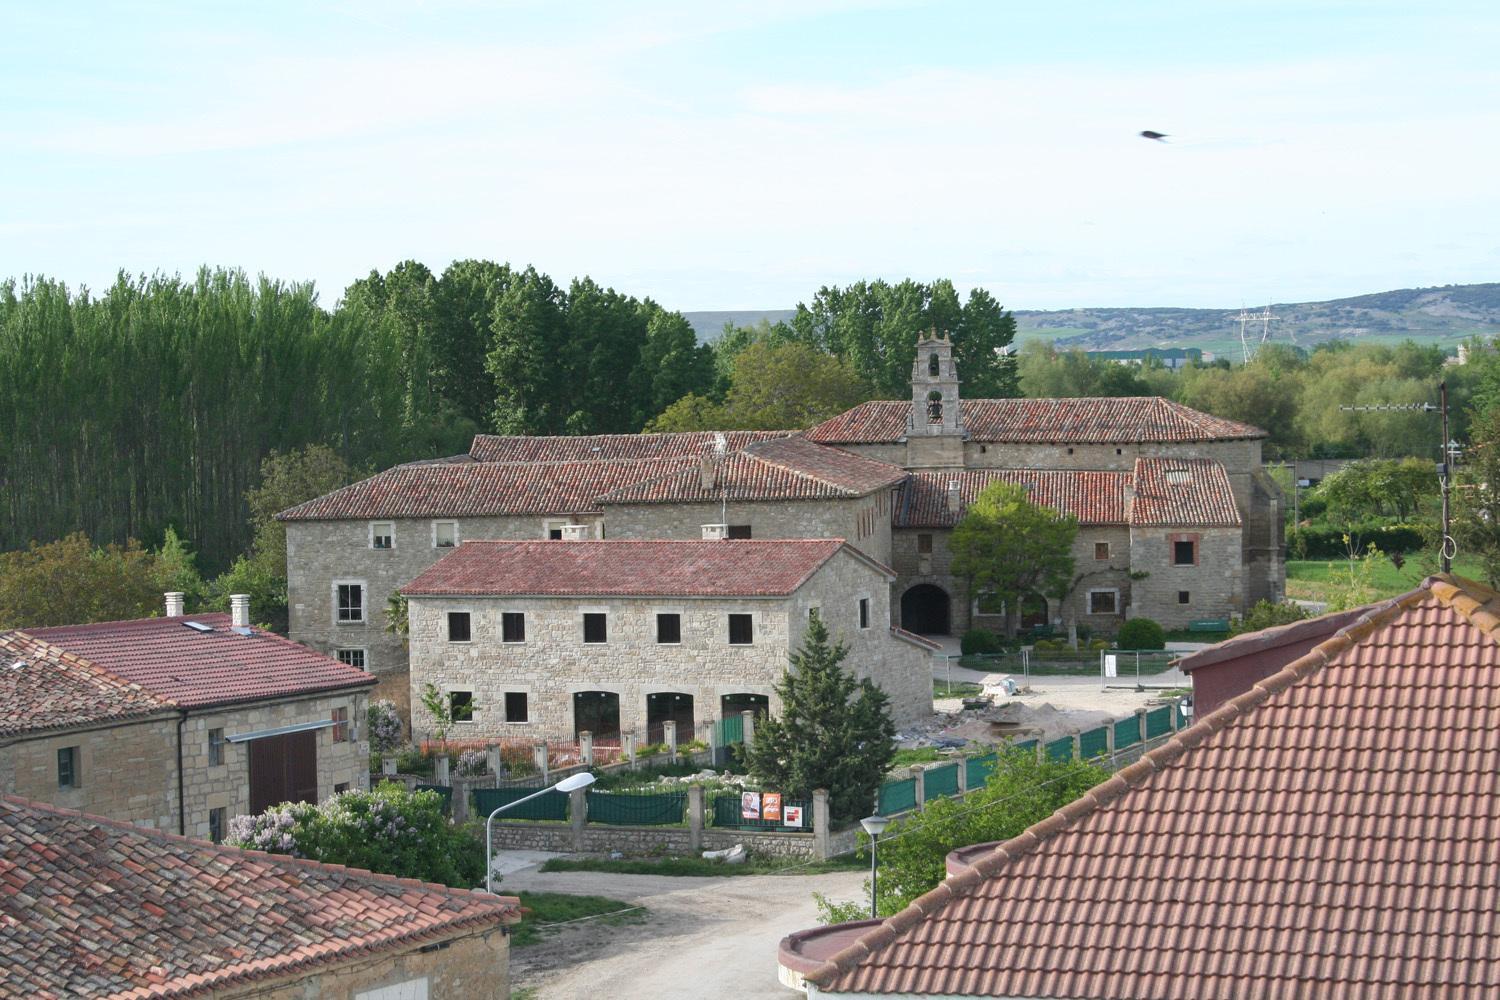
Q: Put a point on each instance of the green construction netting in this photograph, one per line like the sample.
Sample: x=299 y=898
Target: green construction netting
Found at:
x=938 y=782
x=1093 y=743
x=655 y=809
x=898 y=796
x=553 y=805
x=1061 y=748
x=1127 y=731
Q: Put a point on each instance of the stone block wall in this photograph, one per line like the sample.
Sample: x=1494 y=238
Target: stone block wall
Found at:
x=599 y=838
x=125 y=772
x=1215 y=585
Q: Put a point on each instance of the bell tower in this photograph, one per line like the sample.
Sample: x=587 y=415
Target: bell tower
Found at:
x=935 y=426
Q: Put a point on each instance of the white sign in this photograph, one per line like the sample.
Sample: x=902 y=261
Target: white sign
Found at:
x=1109 y=665
x=791 y=816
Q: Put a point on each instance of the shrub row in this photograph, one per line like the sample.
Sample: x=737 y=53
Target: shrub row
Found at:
x=1326 y=541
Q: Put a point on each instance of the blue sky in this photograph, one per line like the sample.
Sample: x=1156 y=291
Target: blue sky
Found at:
x=740 y=155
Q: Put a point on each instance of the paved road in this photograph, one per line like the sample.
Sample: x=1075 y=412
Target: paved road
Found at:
x=704 y=937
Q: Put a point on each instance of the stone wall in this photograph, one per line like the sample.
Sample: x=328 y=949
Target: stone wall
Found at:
x=599 y=838
x=1215 y=585
x=1237 y=457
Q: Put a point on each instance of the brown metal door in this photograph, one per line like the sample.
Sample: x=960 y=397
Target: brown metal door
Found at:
x=283 y=769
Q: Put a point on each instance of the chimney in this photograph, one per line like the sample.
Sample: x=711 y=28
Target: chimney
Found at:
x=174 y=604
x=239 y=610
x=955 y=501
x=715 y=532
x=707 y=472
x=575 y=532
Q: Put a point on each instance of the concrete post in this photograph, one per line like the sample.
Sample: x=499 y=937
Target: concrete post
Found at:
x=669 y=737
x=440 y=775
x=628 y=739
x=1140 y=721
x=919 y=773
x=539 y=757
x=1077 y=747
x=821 y=823
x=963 y=776
x=578 y=809
x=749 y=718
x=388 y=764
x=695 y=818
x=1175 y=714
x=1109 y=740
x=492 y=759
x=459 y=804
x=586 y=747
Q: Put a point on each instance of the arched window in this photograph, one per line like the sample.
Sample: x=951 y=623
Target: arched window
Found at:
x=934 y=407
x=933 y=366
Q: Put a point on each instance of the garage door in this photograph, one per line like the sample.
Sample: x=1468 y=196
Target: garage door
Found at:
x=283 y=769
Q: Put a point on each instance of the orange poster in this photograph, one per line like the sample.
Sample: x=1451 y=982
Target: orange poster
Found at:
x=770 y=805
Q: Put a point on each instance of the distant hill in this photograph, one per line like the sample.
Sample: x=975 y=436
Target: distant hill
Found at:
x=1448 y=314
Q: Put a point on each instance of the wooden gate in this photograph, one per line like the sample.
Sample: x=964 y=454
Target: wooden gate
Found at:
x=283 y=769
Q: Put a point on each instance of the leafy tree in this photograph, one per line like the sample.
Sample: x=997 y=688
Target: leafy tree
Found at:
x=1376 y=487
x=673 y=365
x=690 y=413
x=1046 y=372
x=72 y=582
x=1476 y=498
x=773 y=386
x=834 y=732
x=440 y=709
x=1010 y=548
x=1141 y=633
x=287 y=479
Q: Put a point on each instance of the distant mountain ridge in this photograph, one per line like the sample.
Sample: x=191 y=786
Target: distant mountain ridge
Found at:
x=1449 y=313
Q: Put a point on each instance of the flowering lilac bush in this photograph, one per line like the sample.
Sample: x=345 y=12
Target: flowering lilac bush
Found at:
x=384 y=726
x=472 y=762
x=274 y=830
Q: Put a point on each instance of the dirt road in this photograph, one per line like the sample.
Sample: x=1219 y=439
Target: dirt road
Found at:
x=703 y=937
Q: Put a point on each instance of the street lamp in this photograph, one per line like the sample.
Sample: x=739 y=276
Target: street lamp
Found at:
x=572 y=783
x=874 y=826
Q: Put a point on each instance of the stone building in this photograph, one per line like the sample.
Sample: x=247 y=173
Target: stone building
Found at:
x=177 y=723
x=93 y=907
x=545 y=639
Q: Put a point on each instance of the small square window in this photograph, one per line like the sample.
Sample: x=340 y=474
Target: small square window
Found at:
x=864 y=612
x=1183 y=597
x=515 y=707
x=924 y=544
x=67 y=768
x=382 y=535
x=1102 y=602
x=554 y=534
x=444 y=534
x=351 y=602
x=595 y=627
x=813 y=613
x=1184 y=553
x=461 y=705
x=341 y=725
x=458 y=626
x=218 y=819
x=215 y=747
x=353 y=657
x=669 y=629
x=512 y=626
x=341 y=788
x=739 y=531
x=1101 y=551
x=741 y=630
x=1070 y=451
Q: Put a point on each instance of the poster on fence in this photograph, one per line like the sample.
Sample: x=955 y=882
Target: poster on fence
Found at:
x=792 y=817
x=750 y=805
x=770 y=805
x=1111 y=668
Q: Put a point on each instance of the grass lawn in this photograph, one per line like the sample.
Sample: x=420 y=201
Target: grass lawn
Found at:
x=694 y=867
x=556 y=907
x=1308 y=579
x=958 y=689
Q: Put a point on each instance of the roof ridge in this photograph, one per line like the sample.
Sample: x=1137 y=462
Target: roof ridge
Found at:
x=1127 y=778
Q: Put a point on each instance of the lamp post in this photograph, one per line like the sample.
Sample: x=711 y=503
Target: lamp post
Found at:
x=874 y=826
x=572 y=783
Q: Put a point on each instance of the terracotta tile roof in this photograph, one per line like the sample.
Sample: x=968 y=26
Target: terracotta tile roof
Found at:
x=727 y=568
x=1088 y=420
x=93 y=907
x=43 y=687
x=1330 y=832
x=192 y=669
x=1093 y=497
x=480 y=489
x=1183 y=491
x=605 y=447
x=782 y=469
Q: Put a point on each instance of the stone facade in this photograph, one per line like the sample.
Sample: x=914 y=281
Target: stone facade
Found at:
x=647 y=840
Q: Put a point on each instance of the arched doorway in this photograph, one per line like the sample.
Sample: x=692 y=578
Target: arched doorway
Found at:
x=1034 y=611
x=597 y=712
x=924 y=610
x=669 y=706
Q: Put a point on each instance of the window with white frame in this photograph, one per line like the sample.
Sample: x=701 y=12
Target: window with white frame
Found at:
x=352 y=657
x=349 y=602
x=444 y=534
x=382 y=534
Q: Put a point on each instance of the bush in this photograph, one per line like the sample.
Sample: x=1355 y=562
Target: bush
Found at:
x=411 y=760
x=1099 y=644
x=384 y=724
x=1141 y=633
x=1326 y=541
x=1267 y=615
x=979 y=641
x=386 y=830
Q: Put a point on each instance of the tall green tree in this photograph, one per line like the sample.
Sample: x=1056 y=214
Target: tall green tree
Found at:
x=73 y=582
x=1010 y=548
x=1476 y=498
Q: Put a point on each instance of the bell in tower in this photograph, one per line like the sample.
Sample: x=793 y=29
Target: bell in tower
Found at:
x=934 y=390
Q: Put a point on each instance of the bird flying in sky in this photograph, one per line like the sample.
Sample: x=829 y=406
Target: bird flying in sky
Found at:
x=1158 y=136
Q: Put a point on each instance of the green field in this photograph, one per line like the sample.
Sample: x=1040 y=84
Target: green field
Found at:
x=1308 y=579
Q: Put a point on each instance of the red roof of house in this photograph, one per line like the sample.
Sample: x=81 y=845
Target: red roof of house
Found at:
x=1183 y=491
x=43 y=687
x=1331 y=832
x=780 y=469
x=94 y=907
x=1087 y=420
x=1092 y=497
x=192 y=669
x=625 y=568
x=606 y=447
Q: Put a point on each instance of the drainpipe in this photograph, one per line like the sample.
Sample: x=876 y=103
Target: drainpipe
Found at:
x=181 y=782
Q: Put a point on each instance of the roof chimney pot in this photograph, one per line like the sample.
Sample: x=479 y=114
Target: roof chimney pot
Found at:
x=575 y=532
x=239 y=610
x=715 y=532
x=707 y=472
x=174 y=603
x=955 y=497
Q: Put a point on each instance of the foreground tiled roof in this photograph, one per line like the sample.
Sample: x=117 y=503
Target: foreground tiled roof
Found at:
x=1183 y=491
x=726 y=568
x=780 y=469
x=43 y=687
x=92 y=907
x=1092 y=497
x=193 y=669
x=605 y=447
x=1332 y=832
x=1086 y=420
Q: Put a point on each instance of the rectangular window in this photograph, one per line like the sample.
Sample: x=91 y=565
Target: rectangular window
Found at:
x=594 y=627
x=444 y=534
x=340 y=788
x=512 y=626
x=353 y=657
x=218 y=819
x=924 y=544
x=351 y=602
x=554 y=534
x=669 y=629
x=741 y=630
x=1183 y=597
x=458 y=626
x=864 y=612
x=382 y=535
x=215 y=747
x=1101 y=551
x=1102 y=602
x=515 y=707
x=813 y=612
x=461 y=705
x=1184 y=552
x=341 y=725
x=67 y=768
x=739 y=531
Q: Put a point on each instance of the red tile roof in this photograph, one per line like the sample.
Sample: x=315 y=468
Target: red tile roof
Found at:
x=781 y=469
x=1183 y=491
x=605 y=447
x=93 y=907
x=1331 y=832
x=43 y=687
x=1092 y=497
x=193 y=669
x=1088 y=420
x=622 y=568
